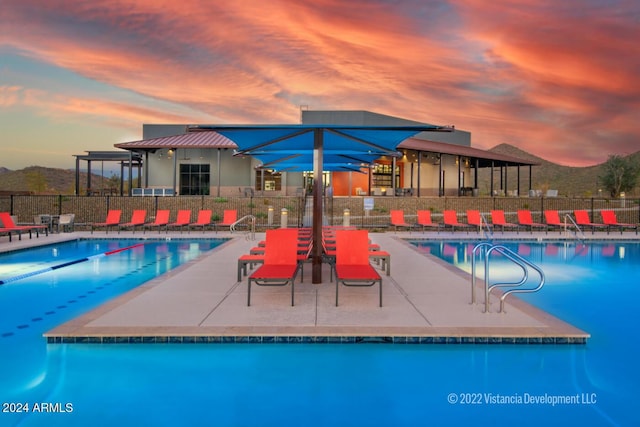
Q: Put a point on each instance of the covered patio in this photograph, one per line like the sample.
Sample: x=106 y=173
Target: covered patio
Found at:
x=127 y=160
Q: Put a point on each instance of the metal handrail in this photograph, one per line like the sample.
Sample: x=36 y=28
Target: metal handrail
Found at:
x=516 y=259
x=476 y=248
x=251 y=233
x=489 y=233
x=578 y=229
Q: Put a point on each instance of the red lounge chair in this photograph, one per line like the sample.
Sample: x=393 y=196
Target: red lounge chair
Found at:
x=280 y=265
x=10 y=230
x=526 y=220
x=424 y=220
x=138 y=218
x=229 y=217
x=498 y=220
x=397 y=220
x=352 y=261
x=8 y=224
x=474 y=218
x=451 y=220
x=204 y=219
x=610 y=220
x=182 y=220
x=256 y=256
x=582 y=219
x=113 y=220
x=552 y=219
x=161 y=220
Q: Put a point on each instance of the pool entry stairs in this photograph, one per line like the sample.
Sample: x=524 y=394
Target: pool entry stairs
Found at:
x=484 y=251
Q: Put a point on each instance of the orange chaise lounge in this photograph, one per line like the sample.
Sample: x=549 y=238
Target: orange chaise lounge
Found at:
x=8 y=226
x=113 y=220
x=280 y=265
x=610 y=220
x=352 y=261
x=138 y=218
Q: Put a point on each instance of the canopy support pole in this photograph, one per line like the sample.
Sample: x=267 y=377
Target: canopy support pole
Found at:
x=316 y=254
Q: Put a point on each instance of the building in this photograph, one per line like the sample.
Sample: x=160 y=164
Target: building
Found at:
x=185 y=160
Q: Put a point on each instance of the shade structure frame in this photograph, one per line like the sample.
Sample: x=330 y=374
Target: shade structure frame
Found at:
x=283 y=142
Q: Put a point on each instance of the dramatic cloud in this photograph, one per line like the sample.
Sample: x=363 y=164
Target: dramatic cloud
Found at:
x=558 y=79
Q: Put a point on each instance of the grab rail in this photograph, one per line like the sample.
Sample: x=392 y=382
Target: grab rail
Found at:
x=476 y=248
x=489 y=233
x=575 y=224
x=251 y=233
x=516 y=259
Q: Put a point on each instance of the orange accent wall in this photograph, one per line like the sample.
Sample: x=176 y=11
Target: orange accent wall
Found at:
x=340 y=181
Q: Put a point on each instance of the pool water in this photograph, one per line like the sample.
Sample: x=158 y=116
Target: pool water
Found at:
x=326 y=384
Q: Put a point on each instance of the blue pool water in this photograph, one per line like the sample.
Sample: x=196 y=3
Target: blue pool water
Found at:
x=332 y=385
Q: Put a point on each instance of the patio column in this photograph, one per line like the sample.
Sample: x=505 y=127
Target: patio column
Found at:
x=316 y=254
x=419 y=167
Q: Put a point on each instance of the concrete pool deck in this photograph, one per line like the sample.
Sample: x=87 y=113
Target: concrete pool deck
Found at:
x=425 y=300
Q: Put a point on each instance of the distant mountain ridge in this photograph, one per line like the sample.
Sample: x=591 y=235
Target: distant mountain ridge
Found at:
x=42 y=180
x=568 y=180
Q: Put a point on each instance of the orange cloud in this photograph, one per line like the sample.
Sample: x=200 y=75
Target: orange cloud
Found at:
x=543 y=75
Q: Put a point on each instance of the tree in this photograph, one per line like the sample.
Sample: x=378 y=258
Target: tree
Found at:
x=620 y=174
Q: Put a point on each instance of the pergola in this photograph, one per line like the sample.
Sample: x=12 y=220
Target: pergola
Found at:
x=127 y=159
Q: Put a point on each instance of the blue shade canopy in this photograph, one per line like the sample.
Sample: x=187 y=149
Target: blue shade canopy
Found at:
x=291 y=147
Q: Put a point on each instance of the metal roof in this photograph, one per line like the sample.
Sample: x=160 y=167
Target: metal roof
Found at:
x=202 y=138
x=187 y=140
x=484 y=156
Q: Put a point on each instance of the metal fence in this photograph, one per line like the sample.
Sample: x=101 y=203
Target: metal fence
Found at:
x=268 y=210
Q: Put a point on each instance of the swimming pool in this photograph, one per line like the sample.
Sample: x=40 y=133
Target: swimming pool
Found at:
x=365 y=385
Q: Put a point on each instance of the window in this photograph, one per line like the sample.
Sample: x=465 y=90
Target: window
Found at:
x=272 y=180
x=383 y=176
x=194 y=179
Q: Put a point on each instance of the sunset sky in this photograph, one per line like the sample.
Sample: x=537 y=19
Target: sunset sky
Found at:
x=559 y=79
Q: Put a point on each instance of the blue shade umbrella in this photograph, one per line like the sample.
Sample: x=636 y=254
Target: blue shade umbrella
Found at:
x=318 y=148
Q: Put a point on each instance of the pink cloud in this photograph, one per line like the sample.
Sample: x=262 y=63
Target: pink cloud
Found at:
x=543 y=75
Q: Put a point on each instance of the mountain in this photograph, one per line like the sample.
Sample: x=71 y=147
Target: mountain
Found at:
x=42 y=180
x=569 y=181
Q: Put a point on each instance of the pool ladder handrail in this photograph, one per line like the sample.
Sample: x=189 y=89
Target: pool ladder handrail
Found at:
x=251 y=232
x=516 y=259
x=489 y=233
x=578 y=229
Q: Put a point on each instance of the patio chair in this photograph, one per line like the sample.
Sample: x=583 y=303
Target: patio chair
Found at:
x=113 y=220
x=424 y=220
x=451 y=220
x=182 y=220
x=229 y=217
x=397 y=220
x=582 y=219
x=352 y=261
x=525 y=219
x=280 y=265
x=161 y=220
x=66 y=222
x=203 y=220
x=498 y=220
x=474 y=218
x=552 y=219
x=10 y=230
x=610 y=220
x=138 y=218
x=8 y=223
